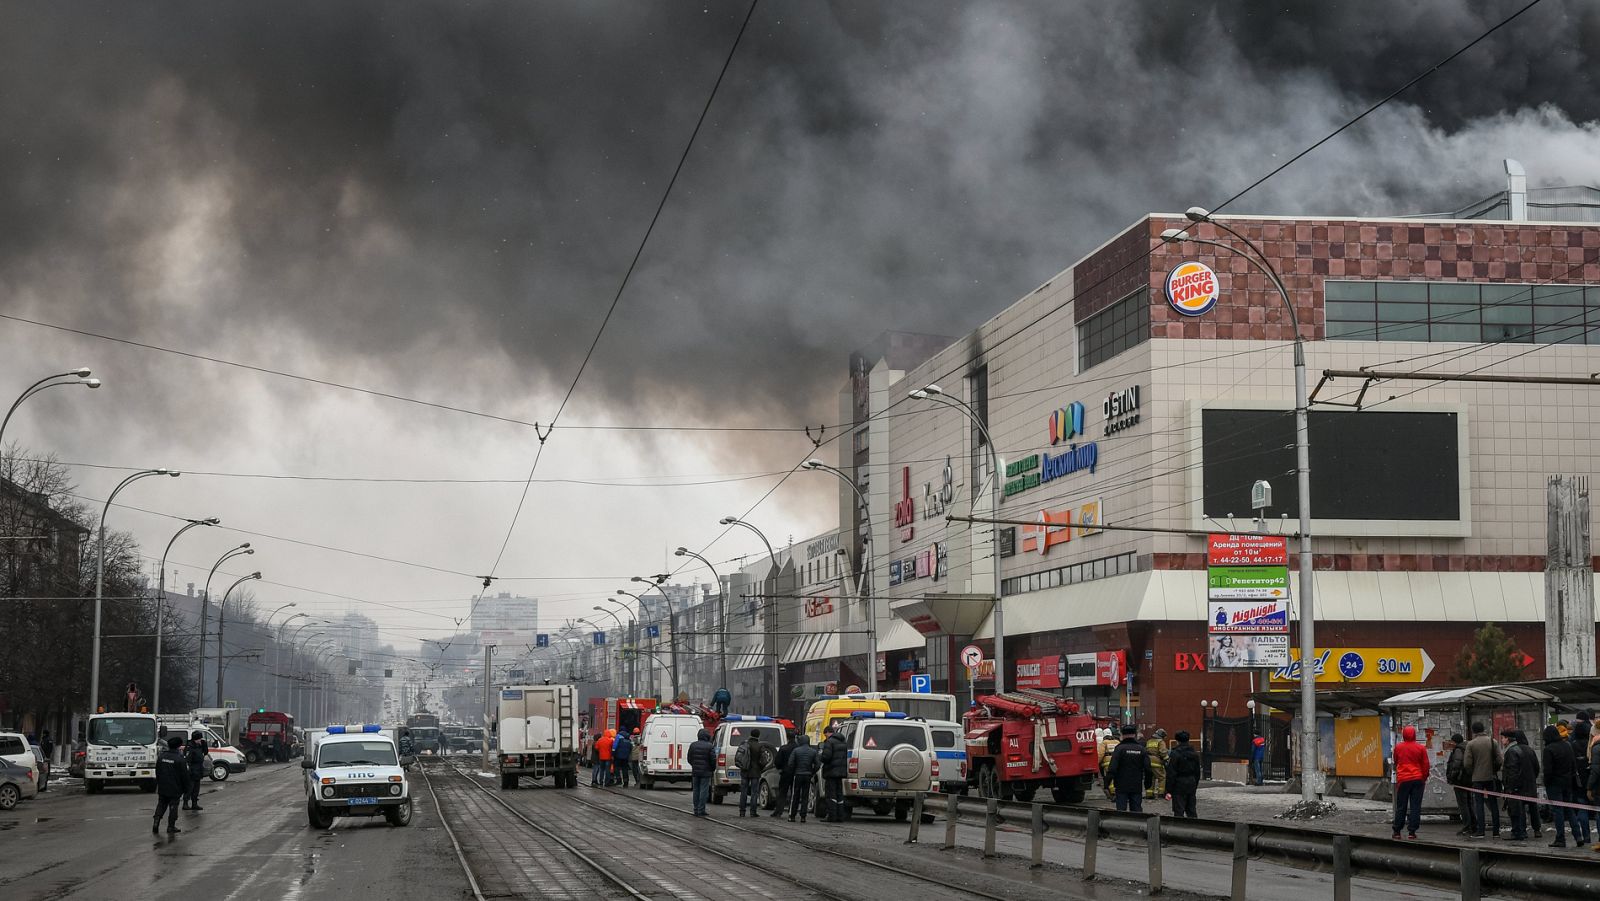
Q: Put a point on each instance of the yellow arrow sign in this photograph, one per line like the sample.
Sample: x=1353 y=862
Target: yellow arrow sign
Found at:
x=1343 y=666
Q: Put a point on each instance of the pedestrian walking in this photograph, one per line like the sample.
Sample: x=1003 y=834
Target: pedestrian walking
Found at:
x=720 y=699
x=702 y=756
x=798 y=768
x=194 y=759
x=621 y=751
x=1258 y=757
x=753 y=758
x=171 y=782
x=1460 y=779
x=1559 y=769
x=834 y=759
x=1410 y=778
x=47 y=749
x=1129 y=771
x=1581 y=728
x=785 y=773
x=1183 y=776
x=1482 y=764
x=1520 y=777
x=1156 y=746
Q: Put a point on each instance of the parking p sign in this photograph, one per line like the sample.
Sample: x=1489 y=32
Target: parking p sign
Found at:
x=922 y=683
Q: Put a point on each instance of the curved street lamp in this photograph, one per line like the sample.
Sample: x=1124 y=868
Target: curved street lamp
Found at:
x=277 y=654
x=81 y=374
x=870 y=577
x=622 y=632
x=722 y=617
x=672 y=647
x=222 y=620
x=161 y=606
x=772 y=609
x=1309 y=787
x=205 y=601
x=992 y=483
x=100 y=575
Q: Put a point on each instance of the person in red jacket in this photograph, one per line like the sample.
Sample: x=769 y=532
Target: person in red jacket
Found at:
x=1410 y=777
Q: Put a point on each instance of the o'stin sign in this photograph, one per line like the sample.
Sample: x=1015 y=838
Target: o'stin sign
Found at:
x=1192 y=288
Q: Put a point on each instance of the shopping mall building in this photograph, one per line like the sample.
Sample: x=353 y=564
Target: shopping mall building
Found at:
x=1149 y=386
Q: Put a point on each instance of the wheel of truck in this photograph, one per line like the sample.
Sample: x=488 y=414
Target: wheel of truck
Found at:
x=10 y=795
x=219 y=772
x=1025 y=795
x=902 y=810
x=508 y=781
x=882 y=808
x=645 y=782
x=766 y=799
x=988 y=783
x=399 y=815
x=1067 y=794
x=93 y=786
x=252 y=756
x=148 y=786
x=716 y=796
x=317 y=817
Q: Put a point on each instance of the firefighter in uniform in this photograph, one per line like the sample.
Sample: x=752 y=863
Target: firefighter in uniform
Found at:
x=1157 y=748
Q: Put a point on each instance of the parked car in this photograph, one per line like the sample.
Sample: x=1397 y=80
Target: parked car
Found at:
x=16 y=783
x=75 y=764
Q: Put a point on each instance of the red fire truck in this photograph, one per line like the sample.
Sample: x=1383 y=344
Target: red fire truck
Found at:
x=1021 y=741
x=612 y=713
x=268 y=735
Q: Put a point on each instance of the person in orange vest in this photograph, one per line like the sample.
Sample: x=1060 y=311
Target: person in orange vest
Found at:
x=1410 y=778
x=602 y=772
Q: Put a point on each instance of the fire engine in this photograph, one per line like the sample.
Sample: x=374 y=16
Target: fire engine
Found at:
x=1021 y=741
x=268 y=735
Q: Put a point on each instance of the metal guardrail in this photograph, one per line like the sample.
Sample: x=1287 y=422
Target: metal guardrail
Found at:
x=1470 y=870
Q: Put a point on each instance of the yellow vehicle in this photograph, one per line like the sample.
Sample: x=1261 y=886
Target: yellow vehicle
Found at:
x=828 y=711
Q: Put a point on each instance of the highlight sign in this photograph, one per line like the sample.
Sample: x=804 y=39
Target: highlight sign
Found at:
x=1192 y=288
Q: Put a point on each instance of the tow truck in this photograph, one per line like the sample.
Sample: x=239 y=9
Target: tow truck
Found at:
x=121 y=751
x=356 y=771
x=1023 y=740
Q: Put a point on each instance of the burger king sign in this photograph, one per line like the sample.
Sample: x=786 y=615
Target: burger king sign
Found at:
x=1192 y=288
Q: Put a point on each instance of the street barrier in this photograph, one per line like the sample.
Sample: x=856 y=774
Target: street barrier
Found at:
x=1471 y=871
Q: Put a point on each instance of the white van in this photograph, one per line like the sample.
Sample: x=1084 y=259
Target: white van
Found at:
x=949 y=757
x=663 y=749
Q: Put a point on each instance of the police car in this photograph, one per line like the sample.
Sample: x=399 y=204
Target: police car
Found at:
x=356 y=771
x=732 y=732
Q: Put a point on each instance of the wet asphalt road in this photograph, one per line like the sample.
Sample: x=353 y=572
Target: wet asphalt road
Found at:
x=251 y=841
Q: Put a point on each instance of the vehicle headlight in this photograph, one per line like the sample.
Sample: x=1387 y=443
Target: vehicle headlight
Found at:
x=394 y=789
x=327 y=791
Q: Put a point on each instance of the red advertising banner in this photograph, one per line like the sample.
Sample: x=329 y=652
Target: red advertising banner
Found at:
x=1247 y=550
x=1039 y=672
x=1111 y=668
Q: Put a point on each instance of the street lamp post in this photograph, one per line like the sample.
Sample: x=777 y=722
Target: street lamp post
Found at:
x=100 y=578
x=277 y=657
x=632 y=640
x=672 y=625
x=992 y=481
x=722 y=617
x=870 y=566
x=222 y=620
x=81 y=374
x=161 y=606
x=772 y=606
x=205 y=601
x=622 y=638
x=1310 y=774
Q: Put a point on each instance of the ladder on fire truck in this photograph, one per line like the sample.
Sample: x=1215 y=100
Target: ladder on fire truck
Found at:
x=1028 y=702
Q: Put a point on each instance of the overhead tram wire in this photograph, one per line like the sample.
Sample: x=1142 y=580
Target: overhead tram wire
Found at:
x=616 y=298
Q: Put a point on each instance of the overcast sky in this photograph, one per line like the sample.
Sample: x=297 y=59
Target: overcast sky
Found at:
x=438 y=200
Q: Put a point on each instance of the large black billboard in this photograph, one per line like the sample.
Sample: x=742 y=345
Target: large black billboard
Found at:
x=1373 y=465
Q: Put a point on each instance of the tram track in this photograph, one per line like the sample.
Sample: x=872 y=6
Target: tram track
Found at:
x=964 y=890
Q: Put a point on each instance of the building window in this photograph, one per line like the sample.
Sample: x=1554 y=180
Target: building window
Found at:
x=978 y=399
x=1119 y=327
x=1072 y=574
x=1464 y=312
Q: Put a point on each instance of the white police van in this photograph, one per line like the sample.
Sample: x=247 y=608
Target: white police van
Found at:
x=356 y=772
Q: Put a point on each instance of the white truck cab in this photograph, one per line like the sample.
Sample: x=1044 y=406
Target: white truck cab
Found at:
x=121 y=751
x=355 y=771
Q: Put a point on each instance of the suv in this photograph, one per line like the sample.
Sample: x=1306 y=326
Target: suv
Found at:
x=731 y=733
x=357 y=772
x=891 y=762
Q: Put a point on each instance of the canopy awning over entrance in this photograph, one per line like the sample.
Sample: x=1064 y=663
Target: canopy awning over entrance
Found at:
x=943 y=614
x=749 y=657
x=813 y=646
x=1476 y=696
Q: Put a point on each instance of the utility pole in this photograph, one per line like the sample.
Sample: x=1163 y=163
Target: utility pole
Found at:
x=488 y=656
